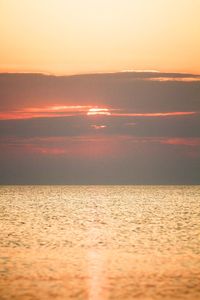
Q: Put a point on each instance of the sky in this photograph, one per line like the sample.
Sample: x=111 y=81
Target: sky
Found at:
x=111 y=128
x=76 y=36
x=99 y=92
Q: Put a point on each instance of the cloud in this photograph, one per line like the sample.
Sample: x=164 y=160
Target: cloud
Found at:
x=178 y=79
x=126 y=91
x=97 y=160
x=150 y=133
x=64 y=111
x=82 y=125
x=193 y=142
x=157 y=114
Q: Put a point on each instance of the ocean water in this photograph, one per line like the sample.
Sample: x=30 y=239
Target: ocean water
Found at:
x=100 y=242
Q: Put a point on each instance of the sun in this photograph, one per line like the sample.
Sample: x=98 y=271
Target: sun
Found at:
x=98 y=111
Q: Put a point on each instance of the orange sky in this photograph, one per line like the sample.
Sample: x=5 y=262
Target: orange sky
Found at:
x=76 y=36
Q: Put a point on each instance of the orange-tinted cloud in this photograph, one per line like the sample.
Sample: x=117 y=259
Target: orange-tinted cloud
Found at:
x=44 y=112
x=182 y=141
x=89 y=146
x=80 y=146
x=157 y=114
x=58 y=108
x=64 y=111
x=180 y=79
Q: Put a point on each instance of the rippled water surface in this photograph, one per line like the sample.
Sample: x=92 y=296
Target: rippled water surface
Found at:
x=100 y=242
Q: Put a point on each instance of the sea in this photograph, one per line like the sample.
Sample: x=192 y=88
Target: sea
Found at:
x=99 y=242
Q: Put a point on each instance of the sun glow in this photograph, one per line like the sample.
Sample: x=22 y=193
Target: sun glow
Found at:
x=98 y=126
x=98 y=111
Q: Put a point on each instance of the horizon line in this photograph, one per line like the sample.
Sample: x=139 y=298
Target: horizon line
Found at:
x=97 y=73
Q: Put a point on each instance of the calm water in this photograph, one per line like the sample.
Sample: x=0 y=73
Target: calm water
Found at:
x=100 y=242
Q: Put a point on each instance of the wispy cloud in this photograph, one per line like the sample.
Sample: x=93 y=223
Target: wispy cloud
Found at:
x=157 y=114
x=193 y=142
x=175 y=79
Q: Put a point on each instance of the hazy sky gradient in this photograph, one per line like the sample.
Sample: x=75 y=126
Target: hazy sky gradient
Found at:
x=76 y=36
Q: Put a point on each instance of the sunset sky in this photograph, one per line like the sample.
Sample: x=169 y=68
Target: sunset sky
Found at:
x=76 y=36
x=99 y=92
